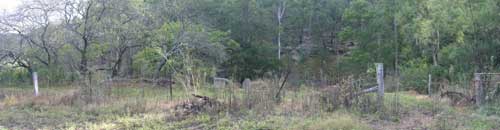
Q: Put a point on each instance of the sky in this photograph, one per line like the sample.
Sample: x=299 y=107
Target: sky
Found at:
x=9 y=5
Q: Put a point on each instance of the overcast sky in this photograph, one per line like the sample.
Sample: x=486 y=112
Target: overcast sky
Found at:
x=9 y=5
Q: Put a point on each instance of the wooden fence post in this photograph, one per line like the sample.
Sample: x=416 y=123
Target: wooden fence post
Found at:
x=170 y=87
x=380 y=82
x=35 y=83
x=478 y=88
x=429 y=84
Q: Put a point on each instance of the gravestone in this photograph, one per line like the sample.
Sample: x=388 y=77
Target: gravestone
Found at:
x=246 y=83
x=221 y=82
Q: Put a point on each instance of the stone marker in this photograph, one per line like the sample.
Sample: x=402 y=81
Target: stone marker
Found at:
x=221 y=82
x=246 y=83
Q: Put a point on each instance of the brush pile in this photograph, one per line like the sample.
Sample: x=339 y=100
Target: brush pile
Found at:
x=198 y=105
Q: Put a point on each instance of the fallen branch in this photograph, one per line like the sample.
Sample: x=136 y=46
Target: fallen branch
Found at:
x=368 y=90
x=201 y=97
x=453 y=94
x=222 y=79
x=458 y=98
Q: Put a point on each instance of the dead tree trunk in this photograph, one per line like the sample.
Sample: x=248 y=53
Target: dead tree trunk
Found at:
x=277 y=96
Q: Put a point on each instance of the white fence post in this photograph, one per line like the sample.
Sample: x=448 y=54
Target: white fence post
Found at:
x=35 y=83
x=380 y=82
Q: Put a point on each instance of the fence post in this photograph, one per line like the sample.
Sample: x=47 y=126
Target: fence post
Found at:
x=247 y=85
x=478 y=88
x=35 y=83
x=170 y=87
x=429 y=84
x=380 y=82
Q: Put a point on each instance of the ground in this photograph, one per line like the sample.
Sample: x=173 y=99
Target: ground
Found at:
x=147 y=107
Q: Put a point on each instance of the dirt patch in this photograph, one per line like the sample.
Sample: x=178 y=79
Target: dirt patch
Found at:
x=411 y=121
x=423 y=97
x=412 y=92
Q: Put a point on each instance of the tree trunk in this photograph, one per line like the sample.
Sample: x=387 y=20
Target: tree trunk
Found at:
x=117 y=65
x=279 y=15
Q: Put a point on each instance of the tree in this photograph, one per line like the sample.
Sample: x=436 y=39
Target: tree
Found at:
x=280 y=11
x=33 y=22
x=123 y=30
x=83 y=18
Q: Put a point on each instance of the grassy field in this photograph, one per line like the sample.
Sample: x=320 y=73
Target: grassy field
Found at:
x=147 y=107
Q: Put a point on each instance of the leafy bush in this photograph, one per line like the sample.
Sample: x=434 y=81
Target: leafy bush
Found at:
x=14 y=75
x=414 y=75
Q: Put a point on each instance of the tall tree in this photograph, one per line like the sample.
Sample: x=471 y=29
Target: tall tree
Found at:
x=83 y=18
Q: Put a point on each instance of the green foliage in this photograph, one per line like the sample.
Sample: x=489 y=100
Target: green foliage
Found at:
x=146 y=60
x=415 y=75
x=254 y=61
x=14 y=75
x=478 y=124
x=97 y=50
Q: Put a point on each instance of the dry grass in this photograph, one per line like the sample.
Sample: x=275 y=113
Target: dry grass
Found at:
x=151 y=108
x=337 y=121
x=260 y=96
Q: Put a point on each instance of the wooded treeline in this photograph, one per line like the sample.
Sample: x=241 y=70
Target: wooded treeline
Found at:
x=191 y=40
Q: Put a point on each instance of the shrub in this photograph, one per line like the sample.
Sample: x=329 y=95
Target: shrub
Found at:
x=414 y=75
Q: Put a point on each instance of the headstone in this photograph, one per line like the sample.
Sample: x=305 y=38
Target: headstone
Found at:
x=246 y=83
x=220 y=82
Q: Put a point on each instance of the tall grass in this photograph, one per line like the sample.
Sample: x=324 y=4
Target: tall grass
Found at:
x=143 y=106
